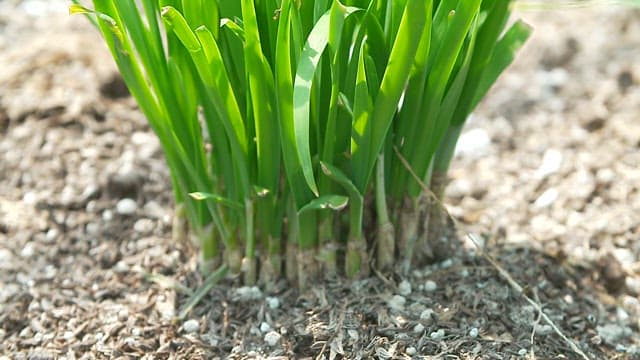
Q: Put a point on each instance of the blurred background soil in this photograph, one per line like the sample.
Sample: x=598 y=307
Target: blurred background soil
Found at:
x=547 y=175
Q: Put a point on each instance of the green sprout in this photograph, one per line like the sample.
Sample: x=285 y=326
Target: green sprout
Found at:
x=294 y=130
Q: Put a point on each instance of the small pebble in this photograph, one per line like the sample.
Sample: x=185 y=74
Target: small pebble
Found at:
x=404 y=288
x=418 y=328
x=272 y=338
x=107 y=215
x=473 y=143
x=273 y=302
x=93 y=228
x=6 y=257
x=522 y=352
x=191 y=326
x=411 y=351
x=123 y=314
x=633 y=284
x=474 y=332
x=427 y=314
x=121 y=267
x=446 y=264
x=622 y=314
x=397 y=302
x=30 y=198
x=547 y=198
x=68 y=335
x=430 y=286
x=437 y=334
x=166 y=308
x=551 y=163
x=52 y=235
x=248 y=293
x=612 y=333
x=90 y=192
x=92 y=206
x=143 y=226
x=126 y=207
x=633 y=350
x=544 y=329
x=264 y=327
x=28 y=250
x=154 y=210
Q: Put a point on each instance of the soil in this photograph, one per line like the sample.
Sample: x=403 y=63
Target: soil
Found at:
x=547 y=178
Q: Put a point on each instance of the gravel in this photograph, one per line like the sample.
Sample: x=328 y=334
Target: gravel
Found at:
x=191 y=326
x=126 y=207
x=272 y=338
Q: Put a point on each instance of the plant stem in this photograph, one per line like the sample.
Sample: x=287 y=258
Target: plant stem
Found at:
x=357 y=259
x=326 y=240
x=249 y=261
x=385 y=234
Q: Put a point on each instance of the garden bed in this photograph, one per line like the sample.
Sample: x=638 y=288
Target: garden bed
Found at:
x=549 y=180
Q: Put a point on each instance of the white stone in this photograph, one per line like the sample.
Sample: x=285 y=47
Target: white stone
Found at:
x=248 y=293
x=107 y=215
x=547 y=198
x=522 y=352
x=123 y=314
x=272 y=338
x=51 y=235
x=121 y=267
x=435 y=335
x=126 y=207
x=30 y=198
x=605 y=176
x=474 y=332
x=93 y=228
x=28 y=250
x=426 y=314
x=6 y=257
x=404 y=288
x=551 y=163
x=264 y=327
x=397 y=302
x=191 y=326
x=273 y=302
x=154 y=210
x=544 y=329
x=446 y=264
x=410 y=351
x=418 y=328
x=633 y=284
x=473 y=143
x=625 y=256
x=143 y=226
x=430 y=286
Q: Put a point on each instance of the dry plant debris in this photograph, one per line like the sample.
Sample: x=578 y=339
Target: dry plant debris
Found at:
x=557 y=210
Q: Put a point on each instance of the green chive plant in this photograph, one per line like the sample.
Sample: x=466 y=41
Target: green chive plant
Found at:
x=297 y=132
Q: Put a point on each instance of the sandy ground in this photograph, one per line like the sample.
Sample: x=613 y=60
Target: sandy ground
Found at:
x=548 y=178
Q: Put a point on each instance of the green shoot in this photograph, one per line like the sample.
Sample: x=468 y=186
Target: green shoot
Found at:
x=293 y=129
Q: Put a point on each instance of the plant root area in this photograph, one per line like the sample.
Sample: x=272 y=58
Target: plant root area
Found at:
x=547 y=176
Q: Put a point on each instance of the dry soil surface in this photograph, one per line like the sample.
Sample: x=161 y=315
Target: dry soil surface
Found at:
x=548 y=177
